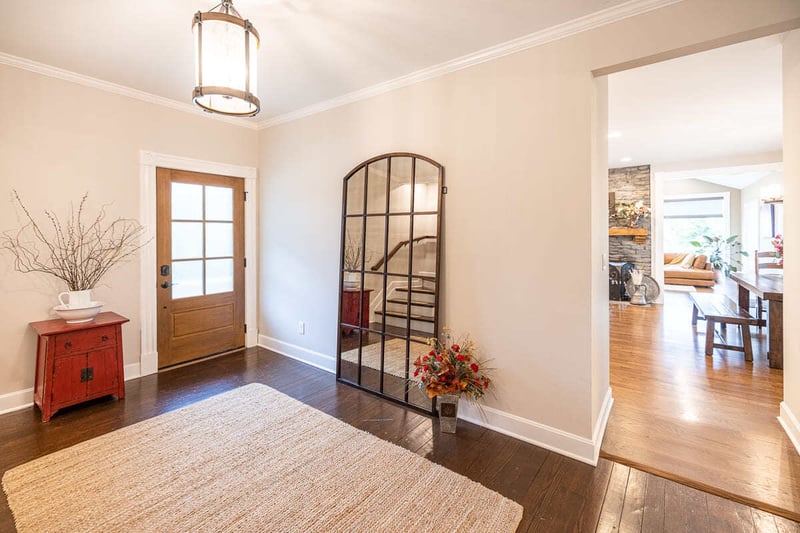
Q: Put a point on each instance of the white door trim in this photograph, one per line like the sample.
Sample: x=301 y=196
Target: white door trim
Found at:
x=149 y=161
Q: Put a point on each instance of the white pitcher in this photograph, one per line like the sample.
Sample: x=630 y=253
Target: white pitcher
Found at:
x=76 y=299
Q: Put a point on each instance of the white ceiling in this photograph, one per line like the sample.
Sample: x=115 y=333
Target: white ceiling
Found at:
x=737 y=177
x=311 y=50
x=714 y=105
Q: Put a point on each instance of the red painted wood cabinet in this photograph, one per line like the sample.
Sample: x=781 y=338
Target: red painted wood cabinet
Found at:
x=78 y=362
x=355 y=310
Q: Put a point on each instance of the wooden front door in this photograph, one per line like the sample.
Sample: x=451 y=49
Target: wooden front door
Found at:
x=201 y=262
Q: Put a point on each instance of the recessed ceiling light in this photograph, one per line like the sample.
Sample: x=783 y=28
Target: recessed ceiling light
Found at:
x=614 y=134
x=626 y=160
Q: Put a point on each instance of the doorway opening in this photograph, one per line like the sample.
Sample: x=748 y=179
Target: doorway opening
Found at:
x=695 y=157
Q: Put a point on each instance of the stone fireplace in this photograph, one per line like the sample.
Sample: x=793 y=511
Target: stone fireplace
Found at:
x=630 y=245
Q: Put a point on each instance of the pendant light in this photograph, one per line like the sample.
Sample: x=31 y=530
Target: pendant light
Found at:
x=225 y=52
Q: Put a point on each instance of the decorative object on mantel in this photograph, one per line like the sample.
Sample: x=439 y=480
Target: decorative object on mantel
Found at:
x=78 y=251
x=226 y=62
x=777 y=243
x=643 y=289
x=724 y=253
x=449 y=370
x=631 y=214
x=639 y=234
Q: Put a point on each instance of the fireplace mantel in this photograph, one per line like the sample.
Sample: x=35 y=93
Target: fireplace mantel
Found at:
x=639 y=234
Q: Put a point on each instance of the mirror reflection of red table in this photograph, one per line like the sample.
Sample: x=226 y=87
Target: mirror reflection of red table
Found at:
x=355 y=309
x=768 y=287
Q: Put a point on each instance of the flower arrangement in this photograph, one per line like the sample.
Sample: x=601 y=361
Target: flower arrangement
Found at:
x=451 y=368
x=777 y=243
x=631 y=213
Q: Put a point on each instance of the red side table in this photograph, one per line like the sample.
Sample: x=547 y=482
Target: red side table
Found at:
x=78 y=362
x=355 y=309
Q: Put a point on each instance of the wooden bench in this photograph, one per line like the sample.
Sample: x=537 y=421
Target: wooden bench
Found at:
x=719 y=309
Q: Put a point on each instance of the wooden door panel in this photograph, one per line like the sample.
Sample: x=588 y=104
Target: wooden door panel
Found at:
x=103 y=365
x=67 y=383
x=202 y=316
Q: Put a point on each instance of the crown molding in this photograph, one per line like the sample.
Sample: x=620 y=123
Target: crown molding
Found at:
x=553 y=33
x=95 y=83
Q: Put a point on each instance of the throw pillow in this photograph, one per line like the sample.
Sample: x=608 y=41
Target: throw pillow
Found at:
x=688 y=260
x=700 y=262
x=678 y=259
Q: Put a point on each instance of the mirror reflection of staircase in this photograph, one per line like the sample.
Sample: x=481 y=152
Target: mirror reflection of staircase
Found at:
x=391 y=226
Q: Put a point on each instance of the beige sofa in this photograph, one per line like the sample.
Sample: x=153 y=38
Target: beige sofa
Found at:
x=699 y=273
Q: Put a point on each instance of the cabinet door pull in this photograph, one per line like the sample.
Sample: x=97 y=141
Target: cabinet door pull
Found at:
x=68 y=344
x=104 y=338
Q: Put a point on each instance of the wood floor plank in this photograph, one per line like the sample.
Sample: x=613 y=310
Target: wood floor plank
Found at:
x=633 y=509
x=764 y=522
x=611 y=513
x=714 y=417
x=726 y=516
x=654 y=504
x=557 y=493
x=589 y=515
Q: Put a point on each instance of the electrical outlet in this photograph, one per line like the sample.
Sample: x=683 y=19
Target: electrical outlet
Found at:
x=301 y=328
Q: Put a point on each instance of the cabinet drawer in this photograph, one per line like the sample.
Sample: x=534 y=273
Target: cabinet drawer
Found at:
x=85 y=340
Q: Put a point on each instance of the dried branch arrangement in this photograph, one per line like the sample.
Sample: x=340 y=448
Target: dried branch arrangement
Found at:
x=77 y=250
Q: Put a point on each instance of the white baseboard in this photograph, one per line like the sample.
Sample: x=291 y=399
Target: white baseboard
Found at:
x=14 y=401
x=790 y=425
x=600 y=424
x=320 y=360
x=132 y=371
x=553 y=439
x=148 y=363
x=547 y=437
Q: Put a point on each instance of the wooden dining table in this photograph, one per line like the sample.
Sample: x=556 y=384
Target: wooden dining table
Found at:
x=768 y=287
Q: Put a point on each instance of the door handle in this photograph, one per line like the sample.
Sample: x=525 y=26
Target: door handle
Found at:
x=167 y=284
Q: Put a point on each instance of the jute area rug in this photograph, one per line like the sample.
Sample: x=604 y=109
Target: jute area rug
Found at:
x=251 y=459
x=394 y=356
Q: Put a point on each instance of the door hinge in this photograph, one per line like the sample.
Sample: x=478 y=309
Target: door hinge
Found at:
x=245 y=262
x=245 y=196
x=245 y=328
x=444 y=189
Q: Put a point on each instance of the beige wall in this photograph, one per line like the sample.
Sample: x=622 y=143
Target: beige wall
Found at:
x=59 y=140
x=791 y=170
x=521 y=264
x=753 y=231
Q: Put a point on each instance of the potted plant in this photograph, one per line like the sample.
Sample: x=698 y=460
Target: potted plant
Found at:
x=724 y=254
x=448 y=371
x=78 y=250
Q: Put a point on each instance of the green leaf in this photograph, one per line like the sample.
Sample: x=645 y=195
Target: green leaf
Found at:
x=696 y=244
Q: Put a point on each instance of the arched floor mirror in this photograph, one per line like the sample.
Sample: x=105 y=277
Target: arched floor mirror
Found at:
x=389 y=283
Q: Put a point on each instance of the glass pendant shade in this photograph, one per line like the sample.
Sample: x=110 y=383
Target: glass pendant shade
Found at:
x=225 y=62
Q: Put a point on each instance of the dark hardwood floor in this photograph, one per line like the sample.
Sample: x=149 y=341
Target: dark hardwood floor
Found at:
x=558 y=493
x=709 y=422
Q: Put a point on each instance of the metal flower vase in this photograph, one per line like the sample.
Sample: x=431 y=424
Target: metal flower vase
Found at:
x=448 y=412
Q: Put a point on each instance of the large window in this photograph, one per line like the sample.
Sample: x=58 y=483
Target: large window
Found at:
x=686 y=218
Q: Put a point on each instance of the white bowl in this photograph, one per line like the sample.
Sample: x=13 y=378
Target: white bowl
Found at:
x=82 y=314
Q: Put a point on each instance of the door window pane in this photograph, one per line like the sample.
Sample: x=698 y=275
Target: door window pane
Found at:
x=219 y=203
x=187 y=240
x=187 y=201
x=219 y=276
x=187 y=279
x=219 y=239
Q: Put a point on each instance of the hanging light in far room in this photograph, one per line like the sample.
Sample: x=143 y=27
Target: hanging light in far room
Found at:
x=225 y=54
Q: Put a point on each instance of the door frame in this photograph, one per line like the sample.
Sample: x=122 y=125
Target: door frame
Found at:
x=149 y=161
